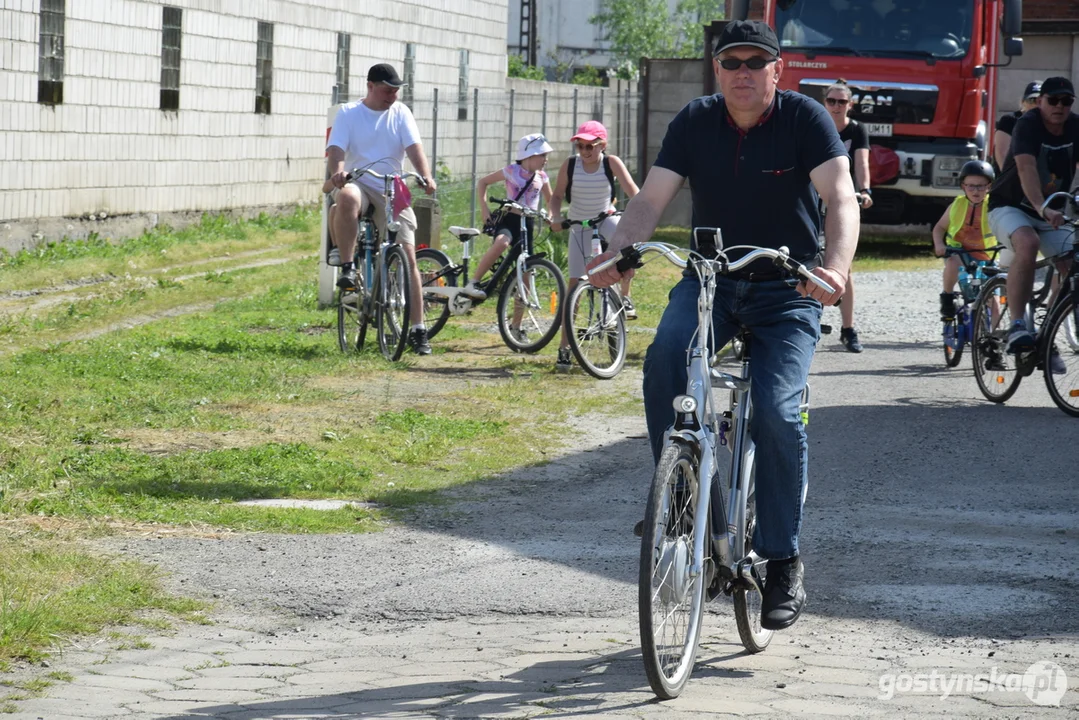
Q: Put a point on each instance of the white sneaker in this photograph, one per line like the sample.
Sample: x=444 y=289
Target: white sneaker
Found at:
x=1056 y=363
x=473 y=292
x=334 y=258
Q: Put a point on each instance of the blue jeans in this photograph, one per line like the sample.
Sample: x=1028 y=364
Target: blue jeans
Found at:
x=785 y=328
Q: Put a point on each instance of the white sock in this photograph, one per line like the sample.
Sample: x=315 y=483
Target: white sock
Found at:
x=419 y=326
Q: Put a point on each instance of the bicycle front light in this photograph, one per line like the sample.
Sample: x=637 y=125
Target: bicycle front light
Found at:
x=685 y=404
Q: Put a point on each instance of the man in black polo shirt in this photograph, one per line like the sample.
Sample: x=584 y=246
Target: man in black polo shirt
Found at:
x=1042 y=160
x=756 y=159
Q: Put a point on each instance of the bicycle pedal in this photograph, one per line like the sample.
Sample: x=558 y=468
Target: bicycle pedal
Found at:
x=825 y=329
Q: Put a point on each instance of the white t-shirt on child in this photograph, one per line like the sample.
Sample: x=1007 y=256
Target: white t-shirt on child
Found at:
x=374 y=138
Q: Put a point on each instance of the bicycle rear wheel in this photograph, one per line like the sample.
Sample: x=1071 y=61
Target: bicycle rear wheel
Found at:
x=953 y=342
x=436 y=270
x=670 y=600
x=352 y=317
x=536 y=303
x=995 y=370
x=596 y=328
x=394 y=303
x=747 y=602
x=1062 y=373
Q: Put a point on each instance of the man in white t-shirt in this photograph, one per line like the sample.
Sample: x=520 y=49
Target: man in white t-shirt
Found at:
x=376 y=132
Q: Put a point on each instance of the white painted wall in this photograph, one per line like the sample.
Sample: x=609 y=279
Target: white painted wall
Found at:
x=109 y=147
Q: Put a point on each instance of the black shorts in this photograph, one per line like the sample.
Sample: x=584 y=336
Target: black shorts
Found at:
x=511 y=225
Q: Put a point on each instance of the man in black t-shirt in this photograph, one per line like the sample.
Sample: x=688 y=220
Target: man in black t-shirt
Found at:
x=1002 y=136
x=1045 y=149
x=756 y=159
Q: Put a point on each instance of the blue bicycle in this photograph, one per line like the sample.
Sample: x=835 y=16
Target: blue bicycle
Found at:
x=959 y=330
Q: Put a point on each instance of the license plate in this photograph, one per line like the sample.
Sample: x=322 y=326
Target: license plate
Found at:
x=879 y=129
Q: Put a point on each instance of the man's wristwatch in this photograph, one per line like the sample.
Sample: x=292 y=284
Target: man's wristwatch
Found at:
x=867 y=191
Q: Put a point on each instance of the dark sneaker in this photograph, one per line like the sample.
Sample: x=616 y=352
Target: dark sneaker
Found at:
x=417 y=340
x=564 y=361
x=1019 y=339
x=631 y=311
x=347 y=279
x=519 y=335
x=947 y=306
x=849 y=338
x=784 y=596
x=995 y=363
x=1056 y=363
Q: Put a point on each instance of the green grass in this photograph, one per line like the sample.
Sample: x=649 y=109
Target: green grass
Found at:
x=49 y=591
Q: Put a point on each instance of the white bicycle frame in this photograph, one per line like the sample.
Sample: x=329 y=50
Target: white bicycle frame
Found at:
x=702 y=430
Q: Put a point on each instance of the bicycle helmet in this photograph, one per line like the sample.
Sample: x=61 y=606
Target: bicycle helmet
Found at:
x=978 y=168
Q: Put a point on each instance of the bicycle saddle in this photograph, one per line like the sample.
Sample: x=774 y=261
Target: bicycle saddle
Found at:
x=462 y=233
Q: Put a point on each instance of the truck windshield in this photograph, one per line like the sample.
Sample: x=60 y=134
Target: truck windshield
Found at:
x=876 y=28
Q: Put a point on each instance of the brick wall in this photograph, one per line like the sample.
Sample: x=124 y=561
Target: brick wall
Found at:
x=1051 y=10
x=108 y=146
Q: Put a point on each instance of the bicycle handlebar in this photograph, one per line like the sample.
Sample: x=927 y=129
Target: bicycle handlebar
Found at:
x=631 y=258
x=526 y=211
x=567 y=223
x=950 y=251
x=357 y=172
x=1067 y=196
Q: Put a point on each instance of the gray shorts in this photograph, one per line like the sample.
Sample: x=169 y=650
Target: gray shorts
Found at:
x=406 y=234
x=1004 y=221
x=580 y=244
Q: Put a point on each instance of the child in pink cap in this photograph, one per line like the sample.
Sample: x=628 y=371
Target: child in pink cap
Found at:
x=591 y=193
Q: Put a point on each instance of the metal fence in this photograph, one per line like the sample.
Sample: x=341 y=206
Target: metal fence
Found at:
x=467 y=138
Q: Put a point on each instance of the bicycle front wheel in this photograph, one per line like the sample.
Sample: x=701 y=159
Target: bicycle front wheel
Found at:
x=670 y=600
x=995 y=370
x=747 y=602
x=530 y=312
x=352 y=317
x=1061 y=360
x=596 y=328
x=953 y=342
x=436 y=270
x=394 y=305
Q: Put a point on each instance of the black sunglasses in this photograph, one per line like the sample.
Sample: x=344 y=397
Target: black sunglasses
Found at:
x=837 y=101
x=1065 y=100
x=753 y=63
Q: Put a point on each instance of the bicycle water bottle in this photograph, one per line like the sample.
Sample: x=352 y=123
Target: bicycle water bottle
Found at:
x=597 y=246
x=964 y=283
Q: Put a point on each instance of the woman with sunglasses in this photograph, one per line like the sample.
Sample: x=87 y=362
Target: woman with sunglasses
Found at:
x=837 y=100
x=588 y=179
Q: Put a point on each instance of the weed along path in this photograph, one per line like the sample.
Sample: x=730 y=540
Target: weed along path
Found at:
x=476 y=559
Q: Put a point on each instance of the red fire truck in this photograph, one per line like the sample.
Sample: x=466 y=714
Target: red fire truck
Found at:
x=924 y=80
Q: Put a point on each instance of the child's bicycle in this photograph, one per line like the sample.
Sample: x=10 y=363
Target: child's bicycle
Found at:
x=1056 y=349
x=688 y=555
x=530 y=288
x=595 y=318
x=383 y=281
x=959 y=329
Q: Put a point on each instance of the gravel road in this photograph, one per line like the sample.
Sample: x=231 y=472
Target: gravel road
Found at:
x=934 y=520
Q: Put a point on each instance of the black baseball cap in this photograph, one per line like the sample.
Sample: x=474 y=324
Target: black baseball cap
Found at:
x=753 y=33
x=384 y=73
x=1057 y=86
x=1034 y=89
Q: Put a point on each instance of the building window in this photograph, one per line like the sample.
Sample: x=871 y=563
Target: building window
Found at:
x=340 y=90
x=50 y=54
x=462 y=86
x=170 y=57
x=410 y=73
x=264 y=69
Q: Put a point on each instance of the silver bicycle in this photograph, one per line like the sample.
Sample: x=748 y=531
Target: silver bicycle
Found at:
x=688 y=556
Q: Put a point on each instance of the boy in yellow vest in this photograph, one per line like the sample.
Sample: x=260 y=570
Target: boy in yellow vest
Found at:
x=964 y=224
